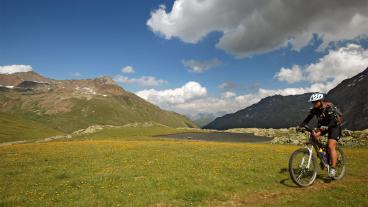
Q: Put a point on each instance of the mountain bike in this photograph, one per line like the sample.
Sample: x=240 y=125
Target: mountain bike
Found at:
x=303 y=167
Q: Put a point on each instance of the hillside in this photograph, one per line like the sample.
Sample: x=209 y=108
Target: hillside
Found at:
x=278 y=111
x=271 y=112
x=69 y=105
x=351 y=96
x=17 y=78
x=15 y=128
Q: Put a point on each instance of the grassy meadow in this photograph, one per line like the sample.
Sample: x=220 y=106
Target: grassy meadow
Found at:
x=130 y=167
x=17 y=128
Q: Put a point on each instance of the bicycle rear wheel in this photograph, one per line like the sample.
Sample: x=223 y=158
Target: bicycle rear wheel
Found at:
x=302 y=174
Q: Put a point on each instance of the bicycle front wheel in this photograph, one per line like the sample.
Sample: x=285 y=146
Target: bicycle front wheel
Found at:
x=340 y=164
x=303 y=171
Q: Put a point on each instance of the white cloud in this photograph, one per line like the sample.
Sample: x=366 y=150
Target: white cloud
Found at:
x=142 y=81
x=227 y=102
x=10 y=69
x=201 y=66
x=228 y=94
x=258 y=26
x=192 y=98
x=203 y=105
x=128 y=69
x=190 y=91
x=330 y=70
x=339 y=64
x=292 y=75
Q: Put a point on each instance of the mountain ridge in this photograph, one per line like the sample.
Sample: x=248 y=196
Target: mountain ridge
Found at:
x=278 y=111
x=69 y=105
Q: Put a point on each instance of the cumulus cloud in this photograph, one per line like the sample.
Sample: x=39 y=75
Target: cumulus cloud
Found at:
x=192 y=98
x=128 y=69
x=184 y=94
x=291 y=75
x=330 y=70
x=10 y=69
x=228 y=94
x=258 y=26
x=201 y=66
x=340 y=64
x=142 y=81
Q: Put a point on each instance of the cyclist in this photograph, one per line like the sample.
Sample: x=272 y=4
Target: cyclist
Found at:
x=327 y=123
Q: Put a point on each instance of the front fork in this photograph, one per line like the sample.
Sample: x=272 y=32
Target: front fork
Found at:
x=310 y=152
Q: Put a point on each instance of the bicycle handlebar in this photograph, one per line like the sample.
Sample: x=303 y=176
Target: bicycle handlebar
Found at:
x=304 y=128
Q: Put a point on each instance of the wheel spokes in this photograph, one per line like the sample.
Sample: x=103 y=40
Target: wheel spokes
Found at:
x=302 y=167
x=302 y=171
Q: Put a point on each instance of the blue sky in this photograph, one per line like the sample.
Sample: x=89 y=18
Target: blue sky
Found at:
x=85 y=39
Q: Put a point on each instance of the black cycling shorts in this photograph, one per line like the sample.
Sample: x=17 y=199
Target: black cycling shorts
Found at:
x=333 y=133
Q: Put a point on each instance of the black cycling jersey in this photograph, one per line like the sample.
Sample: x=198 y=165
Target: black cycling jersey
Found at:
x=325 y=116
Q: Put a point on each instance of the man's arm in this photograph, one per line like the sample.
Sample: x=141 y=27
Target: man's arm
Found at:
x=308 y=118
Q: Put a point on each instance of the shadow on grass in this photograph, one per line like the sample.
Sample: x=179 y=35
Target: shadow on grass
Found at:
x=289 y=183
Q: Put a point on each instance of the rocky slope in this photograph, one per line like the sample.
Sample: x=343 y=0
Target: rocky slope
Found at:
x=17 y=78
x=69 y=105
x=351 y=96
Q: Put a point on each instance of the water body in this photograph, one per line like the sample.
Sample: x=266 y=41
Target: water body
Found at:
x=219 y=137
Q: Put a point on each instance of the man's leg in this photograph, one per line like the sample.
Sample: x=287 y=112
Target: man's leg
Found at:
x=332 y=152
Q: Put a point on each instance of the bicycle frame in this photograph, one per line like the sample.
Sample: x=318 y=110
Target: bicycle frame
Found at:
x=310 y=150
x=309 y=146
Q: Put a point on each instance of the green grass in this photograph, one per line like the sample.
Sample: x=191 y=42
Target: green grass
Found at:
x=103 y=170
x=14 y=128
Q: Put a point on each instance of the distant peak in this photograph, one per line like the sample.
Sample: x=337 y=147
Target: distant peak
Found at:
x=107 y=80
x=365 y=71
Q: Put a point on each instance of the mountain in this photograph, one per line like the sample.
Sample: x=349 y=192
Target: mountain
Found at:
x=69 y=105
x=351 y=96
x=277 y=111
x=271 y=112
x=202 y=119
x=15 y=79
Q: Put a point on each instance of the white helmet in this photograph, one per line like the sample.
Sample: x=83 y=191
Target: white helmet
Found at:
x=317 y=97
